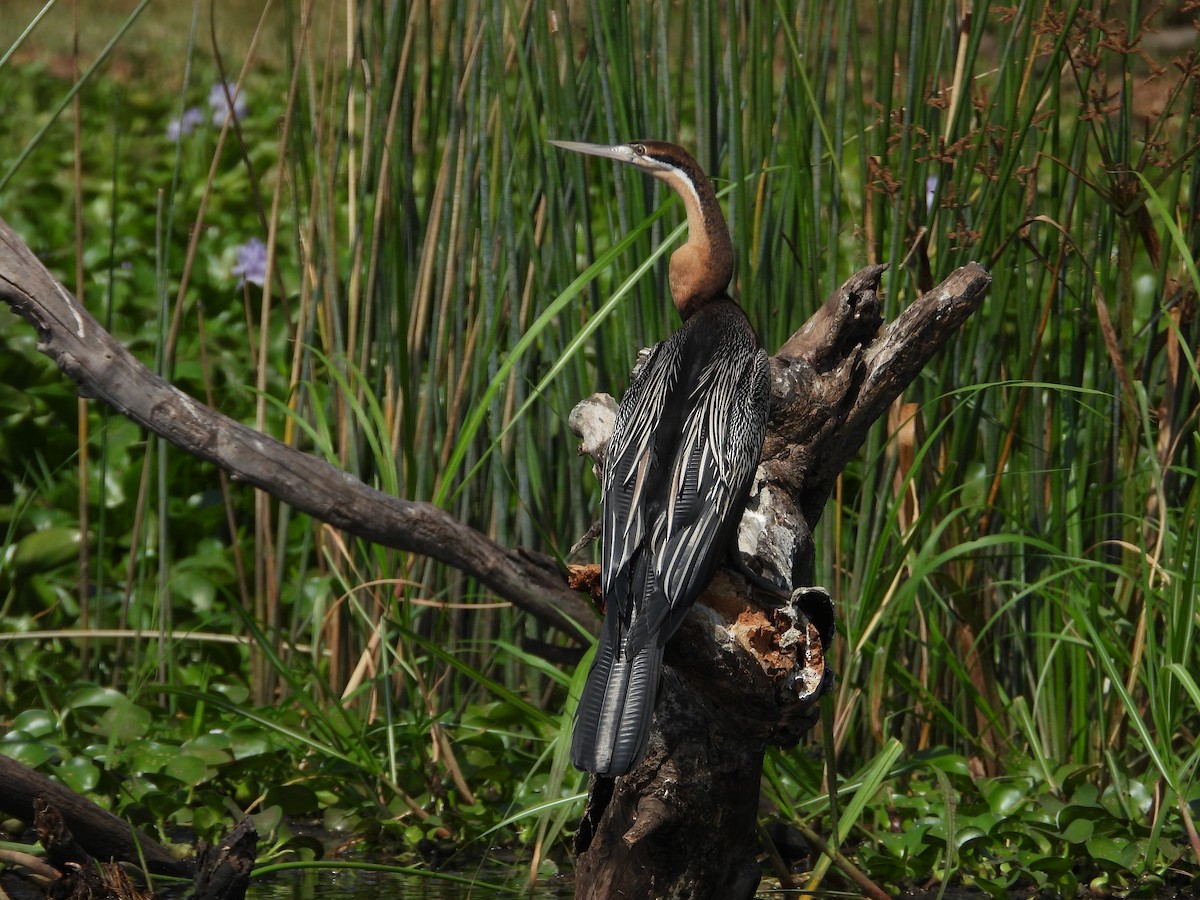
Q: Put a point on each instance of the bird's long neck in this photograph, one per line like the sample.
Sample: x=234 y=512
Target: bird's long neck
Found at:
x=700 y=270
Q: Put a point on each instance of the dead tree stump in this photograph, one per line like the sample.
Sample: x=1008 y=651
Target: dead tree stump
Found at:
x=746 y=671
x=223 y=871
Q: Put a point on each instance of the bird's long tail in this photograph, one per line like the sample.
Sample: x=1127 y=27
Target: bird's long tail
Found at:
x=613 y=719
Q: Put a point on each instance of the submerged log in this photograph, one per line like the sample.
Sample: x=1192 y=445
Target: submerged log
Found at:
x=746 y=671
x=87 y=847
x=78 y=828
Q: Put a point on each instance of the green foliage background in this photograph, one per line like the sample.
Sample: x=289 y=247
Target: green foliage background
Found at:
x=1013 y=555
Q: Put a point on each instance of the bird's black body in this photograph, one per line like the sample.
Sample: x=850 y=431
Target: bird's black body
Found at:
x=682 y=455
x=684 y=448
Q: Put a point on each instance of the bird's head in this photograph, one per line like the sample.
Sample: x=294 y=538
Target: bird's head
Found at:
x=702 y=267
x=668 y=162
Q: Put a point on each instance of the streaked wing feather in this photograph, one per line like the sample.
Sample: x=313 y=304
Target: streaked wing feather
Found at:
x=719 y=453
x=627 y=467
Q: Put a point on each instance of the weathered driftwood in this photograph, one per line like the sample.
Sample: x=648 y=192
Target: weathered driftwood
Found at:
x=746 y=671
x=97 y=833
x=81 y=877
x=88 y=847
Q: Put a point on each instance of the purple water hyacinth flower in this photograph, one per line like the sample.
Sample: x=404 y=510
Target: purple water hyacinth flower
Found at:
x=218 y=102
x=192 y=118
x=251 y=263
x=931 y=185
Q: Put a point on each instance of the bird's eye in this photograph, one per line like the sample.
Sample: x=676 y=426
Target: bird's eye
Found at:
x=639 y=149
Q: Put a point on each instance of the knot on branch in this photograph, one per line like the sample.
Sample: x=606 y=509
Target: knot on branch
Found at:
x=593 y=420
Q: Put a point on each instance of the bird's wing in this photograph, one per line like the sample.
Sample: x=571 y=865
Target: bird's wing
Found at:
x=717 y=455
x=629 y=471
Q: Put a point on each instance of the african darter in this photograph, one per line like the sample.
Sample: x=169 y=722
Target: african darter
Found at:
x=677 y=471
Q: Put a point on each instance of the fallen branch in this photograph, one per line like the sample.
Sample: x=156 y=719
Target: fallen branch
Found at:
x=104 y=369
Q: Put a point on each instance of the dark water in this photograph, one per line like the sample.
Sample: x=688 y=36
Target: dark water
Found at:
x=352 y=884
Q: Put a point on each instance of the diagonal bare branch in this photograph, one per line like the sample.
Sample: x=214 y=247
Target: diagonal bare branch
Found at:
x=104 y=369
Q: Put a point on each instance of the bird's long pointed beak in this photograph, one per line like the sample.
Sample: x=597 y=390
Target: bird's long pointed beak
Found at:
x=620 y=152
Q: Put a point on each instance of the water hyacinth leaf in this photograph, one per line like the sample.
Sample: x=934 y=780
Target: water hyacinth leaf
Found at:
x=44 y=551
x=27 y=753
x=1078 y=831
x=79 y=774
x=968 y=834
x=204 y=820
x=268 y=820
x=336 y=819
x=1050 y=806
x=125 y=721
x=293 y=799
x=1049 y=865
x=1025 y=837
x=1005 y=797
x=996 y=888
x=1073 y=812
x=1127 y=792
x=198 y=589
x=149 y=757
x=232 y=692
x=1087 y=795
x=95 y=695
x=1118 y=853
x=188 y=769
x=943 y=759
x=907 y=842
x=33 y=723
x=213 y=748
x=1073 y=780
